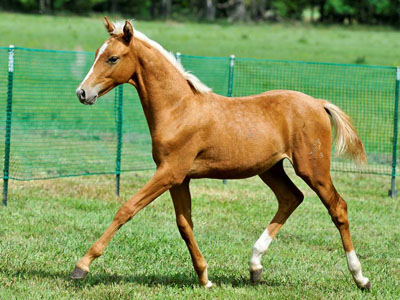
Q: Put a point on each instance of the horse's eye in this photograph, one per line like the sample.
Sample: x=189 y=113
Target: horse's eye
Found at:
x=113 y=59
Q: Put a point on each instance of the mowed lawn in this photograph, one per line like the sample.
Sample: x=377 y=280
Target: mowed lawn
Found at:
x=50 y=224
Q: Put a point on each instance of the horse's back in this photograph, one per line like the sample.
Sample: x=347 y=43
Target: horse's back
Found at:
x=281 y=109
x=282 y=98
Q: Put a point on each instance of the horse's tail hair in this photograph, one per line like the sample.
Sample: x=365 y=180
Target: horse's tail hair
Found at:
x=346 y=138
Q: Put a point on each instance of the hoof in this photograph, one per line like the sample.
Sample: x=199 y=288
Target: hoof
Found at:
x=208 y=285
x=255 y=275
x=78 y=273
x=366 y=288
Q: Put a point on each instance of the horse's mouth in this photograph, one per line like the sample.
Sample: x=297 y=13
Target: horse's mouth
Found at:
x=90 y=101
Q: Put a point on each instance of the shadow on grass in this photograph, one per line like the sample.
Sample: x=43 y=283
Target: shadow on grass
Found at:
x=179 y=280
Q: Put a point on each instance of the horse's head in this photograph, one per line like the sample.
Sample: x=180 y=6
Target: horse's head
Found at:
x=113 y=64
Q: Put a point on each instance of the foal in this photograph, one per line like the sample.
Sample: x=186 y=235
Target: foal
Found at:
x=196 y=133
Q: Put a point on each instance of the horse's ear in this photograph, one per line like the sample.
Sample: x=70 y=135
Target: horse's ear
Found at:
x=128 y=32
x=108 y=25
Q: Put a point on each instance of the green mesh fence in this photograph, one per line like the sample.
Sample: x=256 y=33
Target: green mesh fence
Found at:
x=53 y=135
x=365 y=93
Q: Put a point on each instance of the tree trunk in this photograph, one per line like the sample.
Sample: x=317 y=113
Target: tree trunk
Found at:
x=153 y=9
x=166 y=8
x=321 y=5
x=210 y=10
x=239 y=12
x=114 y=6
x=258 y=9
x=42 y=6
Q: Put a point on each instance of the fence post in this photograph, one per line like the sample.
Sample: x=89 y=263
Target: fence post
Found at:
x=8 y=123
x=393 y=192
x=178 y=57
x=119 y=103
x=230 y=81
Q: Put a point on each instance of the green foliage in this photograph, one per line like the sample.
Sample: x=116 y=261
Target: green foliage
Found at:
x=26 y=5
x=363 y=11
x=134 y=8
x=340 y=7
x=289 y=9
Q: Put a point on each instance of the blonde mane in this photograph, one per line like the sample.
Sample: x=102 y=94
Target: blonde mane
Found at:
x=193 y=80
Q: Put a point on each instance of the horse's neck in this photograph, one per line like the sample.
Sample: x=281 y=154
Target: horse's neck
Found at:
x=161 y=87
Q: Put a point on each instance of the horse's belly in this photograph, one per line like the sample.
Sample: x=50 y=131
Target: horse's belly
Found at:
x=240 y=149
x=235 y=167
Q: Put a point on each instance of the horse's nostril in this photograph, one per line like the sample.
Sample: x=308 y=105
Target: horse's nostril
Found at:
x=81 y=94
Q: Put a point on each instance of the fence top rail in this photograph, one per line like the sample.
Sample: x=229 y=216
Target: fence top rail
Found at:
x=318 y=63
x=290 y=61
x=227 y=58
x=206 y=57
x=47 y=50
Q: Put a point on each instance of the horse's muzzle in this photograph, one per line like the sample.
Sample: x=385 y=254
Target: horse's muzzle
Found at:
x=83 y=98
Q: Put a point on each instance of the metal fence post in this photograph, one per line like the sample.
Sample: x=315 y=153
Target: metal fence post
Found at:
x=230 y=81
x=8 y=123
x=119 y=103
x=178 y=57
x=393 y=192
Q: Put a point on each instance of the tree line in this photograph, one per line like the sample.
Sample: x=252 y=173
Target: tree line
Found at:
x=385 y=12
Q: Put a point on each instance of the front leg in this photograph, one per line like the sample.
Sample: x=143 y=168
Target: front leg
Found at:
x=162 y=180
x=182 y=203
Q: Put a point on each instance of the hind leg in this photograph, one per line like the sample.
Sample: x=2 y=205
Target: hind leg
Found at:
x=316 y=174
x=289 y=197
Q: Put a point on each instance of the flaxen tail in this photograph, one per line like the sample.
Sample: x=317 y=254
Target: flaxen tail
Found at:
x=346 y=138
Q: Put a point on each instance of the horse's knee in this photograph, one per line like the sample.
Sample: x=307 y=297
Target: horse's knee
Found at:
x=124 y=214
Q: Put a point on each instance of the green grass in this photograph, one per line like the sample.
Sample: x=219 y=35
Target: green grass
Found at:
x=50 y=224
x=304 y=42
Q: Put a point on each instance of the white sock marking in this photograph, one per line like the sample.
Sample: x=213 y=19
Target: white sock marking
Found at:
x=355 y=269
x=259 y=248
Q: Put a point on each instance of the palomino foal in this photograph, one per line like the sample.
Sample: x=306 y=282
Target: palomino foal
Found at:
x=196 y=133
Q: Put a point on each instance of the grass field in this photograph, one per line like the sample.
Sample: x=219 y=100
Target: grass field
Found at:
x=366 y=45
x=49 y=224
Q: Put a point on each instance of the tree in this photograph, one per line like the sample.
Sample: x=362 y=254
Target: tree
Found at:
x=165 y=10
x=210 y=10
